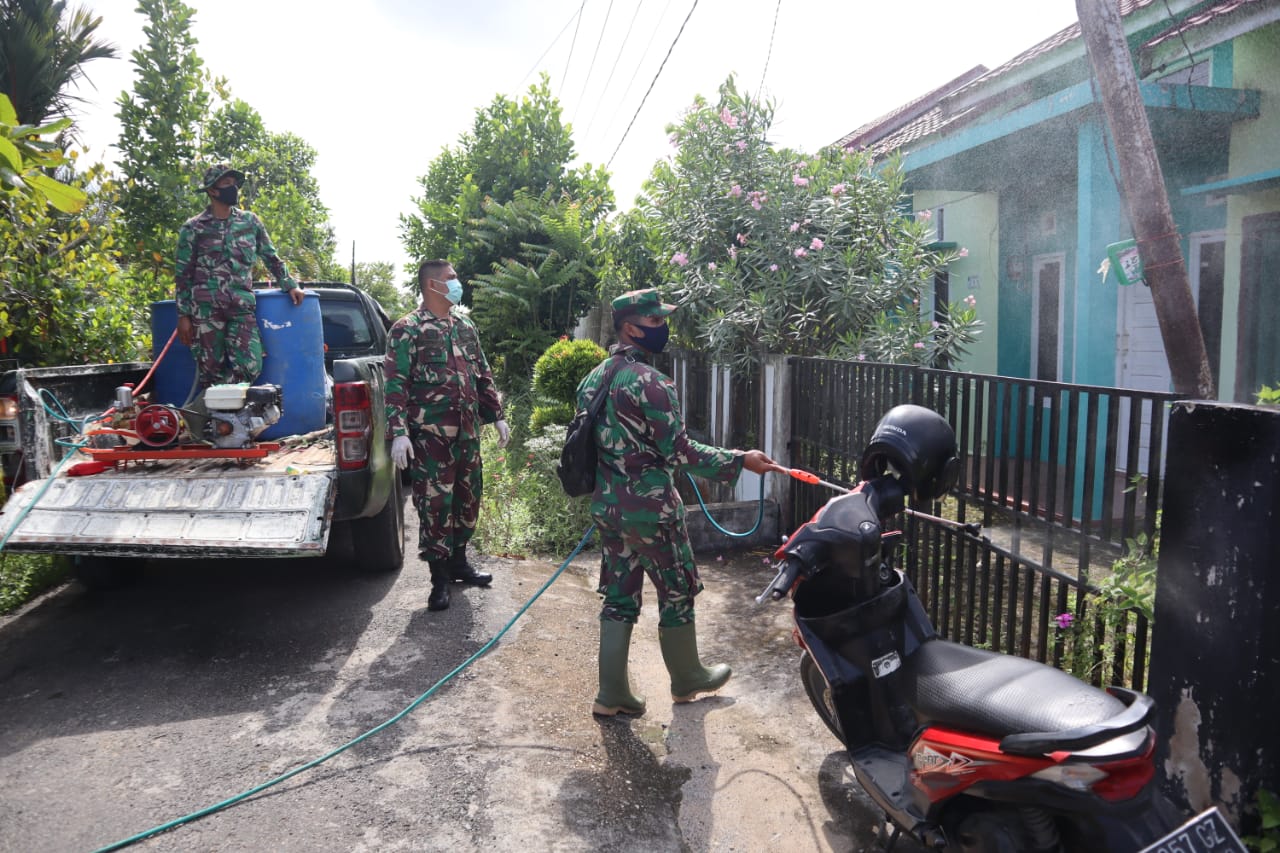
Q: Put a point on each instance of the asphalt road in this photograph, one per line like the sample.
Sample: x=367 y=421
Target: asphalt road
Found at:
x=123 y=710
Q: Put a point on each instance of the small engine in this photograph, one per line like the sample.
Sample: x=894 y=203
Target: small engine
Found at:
x=239 y=413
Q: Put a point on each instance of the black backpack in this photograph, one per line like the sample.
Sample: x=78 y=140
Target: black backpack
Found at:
x=577 y=468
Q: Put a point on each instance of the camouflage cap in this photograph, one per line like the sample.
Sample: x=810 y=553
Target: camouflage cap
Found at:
x=640 y=303
x=217 y=172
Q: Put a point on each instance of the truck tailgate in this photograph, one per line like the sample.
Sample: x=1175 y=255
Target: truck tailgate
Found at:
x=229 y=512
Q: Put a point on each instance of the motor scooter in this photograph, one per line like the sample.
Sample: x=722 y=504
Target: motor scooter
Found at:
x=963 y=749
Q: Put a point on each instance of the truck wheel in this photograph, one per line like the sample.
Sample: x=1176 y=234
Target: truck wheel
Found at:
x=379 y=541
x=99 y=573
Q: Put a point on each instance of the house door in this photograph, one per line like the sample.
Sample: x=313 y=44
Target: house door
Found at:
x=1046 y=317
x=1207 y=267
x=1141 y=363
x=1258 y=355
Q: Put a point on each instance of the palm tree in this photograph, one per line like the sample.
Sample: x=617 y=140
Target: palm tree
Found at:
x=43 y=48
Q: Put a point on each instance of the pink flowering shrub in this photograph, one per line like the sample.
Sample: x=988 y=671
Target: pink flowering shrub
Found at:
x=792 y=252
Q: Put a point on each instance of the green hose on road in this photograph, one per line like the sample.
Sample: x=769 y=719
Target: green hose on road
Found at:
x=586 y=537
x=133 y=839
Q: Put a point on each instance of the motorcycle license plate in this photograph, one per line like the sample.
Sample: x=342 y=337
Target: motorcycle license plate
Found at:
x=1207 y=832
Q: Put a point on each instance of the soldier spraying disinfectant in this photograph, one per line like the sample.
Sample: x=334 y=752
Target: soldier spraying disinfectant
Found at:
x=642 y=444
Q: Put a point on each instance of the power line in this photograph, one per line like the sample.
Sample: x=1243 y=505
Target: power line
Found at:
x=592 y=66
x=636 y=72
x=651 y=84
x=553 y=44
x=595 y=110
x=776 y=9
x=565 y=79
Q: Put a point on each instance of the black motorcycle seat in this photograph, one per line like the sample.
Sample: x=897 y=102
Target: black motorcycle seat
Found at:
x=995 y=694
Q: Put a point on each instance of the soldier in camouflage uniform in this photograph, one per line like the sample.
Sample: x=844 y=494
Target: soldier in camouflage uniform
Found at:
x=213 y=278
x=439 y=392
x=642 y=445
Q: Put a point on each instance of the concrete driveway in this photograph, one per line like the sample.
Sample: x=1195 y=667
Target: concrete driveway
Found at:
x=121 y=711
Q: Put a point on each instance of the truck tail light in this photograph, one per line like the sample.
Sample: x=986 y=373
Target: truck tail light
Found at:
x=9 y=440
x=354 y=422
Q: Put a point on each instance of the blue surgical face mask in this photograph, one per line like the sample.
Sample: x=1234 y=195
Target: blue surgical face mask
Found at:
x=653 y=338
x=454 y=291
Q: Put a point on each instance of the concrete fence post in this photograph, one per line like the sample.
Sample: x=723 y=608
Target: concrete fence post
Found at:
x=1215 y=654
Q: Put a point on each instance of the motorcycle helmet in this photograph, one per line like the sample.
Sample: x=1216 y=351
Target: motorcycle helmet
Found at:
x=919 y=446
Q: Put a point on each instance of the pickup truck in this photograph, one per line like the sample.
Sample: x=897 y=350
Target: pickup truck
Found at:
x=285 y=504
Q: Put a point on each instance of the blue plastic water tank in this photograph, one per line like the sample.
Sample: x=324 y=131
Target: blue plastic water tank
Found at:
x=173 y=377
x=293 y=358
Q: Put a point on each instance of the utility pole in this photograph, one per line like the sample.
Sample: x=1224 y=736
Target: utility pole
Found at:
x=1144 y=193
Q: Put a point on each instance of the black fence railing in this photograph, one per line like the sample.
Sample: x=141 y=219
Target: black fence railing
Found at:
x=1063 y=478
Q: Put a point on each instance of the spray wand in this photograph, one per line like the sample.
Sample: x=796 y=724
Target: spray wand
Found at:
x=804 y=476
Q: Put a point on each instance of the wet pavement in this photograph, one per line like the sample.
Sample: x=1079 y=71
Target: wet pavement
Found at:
x=132 y=708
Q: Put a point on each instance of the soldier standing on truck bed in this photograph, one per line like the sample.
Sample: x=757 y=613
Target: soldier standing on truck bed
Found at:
x=213 y=279
x=439 y=393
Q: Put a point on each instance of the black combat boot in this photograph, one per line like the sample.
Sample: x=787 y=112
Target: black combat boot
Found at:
x=463 y=572
x=439 y=598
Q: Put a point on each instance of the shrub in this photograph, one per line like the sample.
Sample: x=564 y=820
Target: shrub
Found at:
x=24 y=576
x=555 y=414
x=524 y=511
x=558 y=371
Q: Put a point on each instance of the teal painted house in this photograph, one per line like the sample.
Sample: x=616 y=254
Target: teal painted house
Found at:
x=1015 y=165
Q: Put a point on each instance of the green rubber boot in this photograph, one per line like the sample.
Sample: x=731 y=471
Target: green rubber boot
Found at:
x=688 y=676
x=615 y=696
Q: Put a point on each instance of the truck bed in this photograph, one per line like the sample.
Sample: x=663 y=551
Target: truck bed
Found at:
x=279 y=506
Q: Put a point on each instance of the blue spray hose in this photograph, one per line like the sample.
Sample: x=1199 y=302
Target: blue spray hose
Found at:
x=707 y=513
x=59 y=414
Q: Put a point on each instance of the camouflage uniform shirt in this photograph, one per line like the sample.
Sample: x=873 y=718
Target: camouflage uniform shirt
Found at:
x=642 y=445
x=438 y=379
x=217 y=255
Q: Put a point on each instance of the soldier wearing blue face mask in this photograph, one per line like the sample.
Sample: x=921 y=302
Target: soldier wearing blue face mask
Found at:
x=439 y=393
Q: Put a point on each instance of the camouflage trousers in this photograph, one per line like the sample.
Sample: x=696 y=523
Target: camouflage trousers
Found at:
x=447 y=480
x=227 y=347
x=664 y=554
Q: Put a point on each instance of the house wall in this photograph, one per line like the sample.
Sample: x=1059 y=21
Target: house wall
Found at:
x=1034 y=219
x=972 y=222
x=1255 y=65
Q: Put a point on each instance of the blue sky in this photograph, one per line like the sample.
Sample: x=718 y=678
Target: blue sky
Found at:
x=380 y=88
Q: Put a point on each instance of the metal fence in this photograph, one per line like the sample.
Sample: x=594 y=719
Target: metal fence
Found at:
x=1063 y=478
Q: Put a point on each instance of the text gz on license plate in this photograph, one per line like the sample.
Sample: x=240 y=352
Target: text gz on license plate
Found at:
x=1207 y=832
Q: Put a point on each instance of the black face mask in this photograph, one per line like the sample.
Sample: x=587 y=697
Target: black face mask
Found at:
x=653 y=338
x=227 y=195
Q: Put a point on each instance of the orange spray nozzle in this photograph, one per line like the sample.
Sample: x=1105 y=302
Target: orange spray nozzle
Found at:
x=804 y=476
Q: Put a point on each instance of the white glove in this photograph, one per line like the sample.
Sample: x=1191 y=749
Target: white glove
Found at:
x=401 y=451
x=504 y=433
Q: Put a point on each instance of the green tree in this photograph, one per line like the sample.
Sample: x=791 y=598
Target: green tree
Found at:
x=783 y=252
x=547 y=279
x=523 y=230
x=26 y=159
x=43 y=50
x=513 y=146
x=62 y=296
x=65 y=298
x=160 y=125
x=378 y=279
